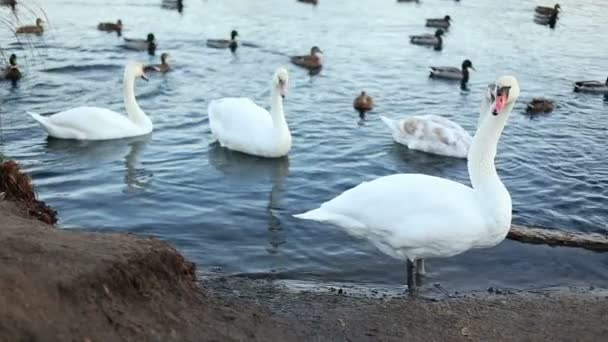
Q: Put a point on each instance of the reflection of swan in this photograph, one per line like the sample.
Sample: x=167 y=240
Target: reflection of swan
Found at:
x=413 y=216
x=256 y=170
x=93 y=123
x=95 y=151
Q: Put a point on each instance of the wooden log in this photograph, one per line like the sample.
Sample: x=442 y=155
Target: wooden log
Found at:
x=554 y=237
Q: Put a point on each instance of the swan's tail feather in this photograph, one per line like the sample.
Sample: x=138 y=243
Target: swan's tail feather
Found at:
x=325 y=216
x=392 y=124
x=41 y=119
x=314 y=215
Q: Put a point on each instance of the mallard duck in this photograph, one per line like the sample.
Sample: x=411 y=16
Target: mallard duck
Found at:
x=591 y=87
x=163 y=67
x=11 y=3
x=452 y=73
x=314 y=61
x=148 y=44
x=540 y=105
x=11 y=72
x=544 y=10
x=443 y=23
x=363 y=103
x=231 y=43
x=433 y=40
x=111 y=27
x=312 y=2
x=37 y=29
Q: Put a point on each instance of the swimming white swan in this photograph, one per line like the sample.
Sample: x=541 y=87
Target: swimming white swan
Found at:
x=413 y=216
x=431 y=134
x=241 y=125
x=94 y=123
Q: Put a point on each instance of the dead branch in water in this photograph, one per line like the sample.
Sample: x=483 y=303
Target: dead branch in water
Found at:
x=554 y=237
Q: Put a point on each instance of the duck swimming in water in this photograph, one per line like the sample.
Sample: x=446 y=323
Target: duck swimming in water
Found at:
x=452 y=73
x=36 y=29
x=443 y=23
x=12 y=72
x=313 y=61
x=231 y=43
x=163 y=67
x=363 y=103
x=111 y=27
x=547 y=11
x=591 y=87
x=540 y=106
x=148 y=44
x=433 y=40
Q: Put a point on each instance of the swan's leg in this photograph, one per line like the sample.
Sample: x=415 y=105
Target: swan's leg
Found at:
x=411 y=276
x=420 y=267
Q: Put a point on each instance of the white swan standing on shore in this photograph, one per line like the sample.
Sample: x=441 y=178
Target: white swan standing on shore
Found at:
x=413 y=216
x=431 y=134
x=94 y=123
x=241 y=125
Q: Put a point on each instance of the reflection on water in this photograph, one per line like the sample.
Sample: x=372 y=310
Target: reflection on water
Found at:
x=135 y=178
x=256 y=170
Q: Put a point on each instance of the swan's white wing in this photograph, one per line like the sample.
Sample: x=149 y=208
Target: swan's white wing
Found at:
x=239 y=123
x=433 y=134
x=90 y=123
x=416 y=215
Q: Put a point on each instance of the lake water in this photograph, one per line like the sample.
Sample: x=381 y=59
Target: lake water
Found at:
x=232 y=213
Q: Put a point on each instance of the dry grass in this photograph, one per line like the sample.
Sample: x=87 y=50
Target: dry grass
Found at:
x=17 y=187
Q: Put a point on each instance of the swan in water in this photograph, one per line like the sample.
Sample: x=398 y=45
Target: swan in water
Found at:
x=414 y=216
x=94 y=123
x=431 y=134
x=241 y=125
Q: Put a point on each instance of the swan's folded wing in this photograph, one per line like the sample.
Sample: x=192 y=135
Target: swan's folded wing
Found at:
x=405 y=210
x=238 y=120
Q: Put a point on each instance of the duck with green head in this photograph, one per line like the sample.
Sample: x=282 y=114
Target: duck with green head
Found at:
x=148 y=44
x=231 y=43
x=12 y=72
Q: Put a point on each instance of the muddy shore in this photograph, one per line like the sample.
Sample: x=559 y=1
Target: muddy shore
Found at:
x=60 y=285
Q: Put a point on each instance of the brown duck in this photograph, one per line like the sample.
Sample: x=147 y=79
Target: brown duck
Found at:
x=37 y=29
x=310 y=62
x=163 y=67
x=111 y=27
x=540 y=105
x=363 y=103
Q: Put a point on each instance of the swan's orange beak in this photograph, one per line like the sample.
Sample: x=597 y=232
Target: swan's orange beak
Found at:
x=499 y=104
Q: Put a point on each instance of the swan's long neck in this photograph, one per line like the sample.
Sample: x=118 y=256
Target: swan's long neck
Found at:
x=276 y=109
x=482 y=152
x=134 y=112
